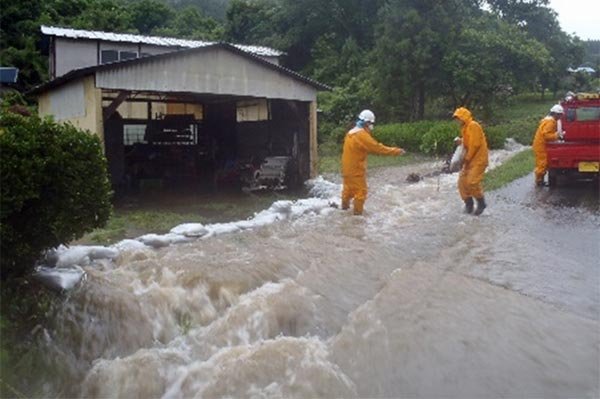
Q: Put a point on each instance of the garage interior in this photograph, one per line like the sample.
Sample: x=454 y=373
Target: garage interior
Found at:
x=205 y=142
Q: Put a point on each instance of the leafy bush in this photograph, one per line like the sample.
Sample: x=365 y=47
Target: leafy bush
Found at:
x=340 y=107
x=439 y=140
x=405 y=135
x=522 y=130
x=435 y=137
x=496 y=136
x=54 y=187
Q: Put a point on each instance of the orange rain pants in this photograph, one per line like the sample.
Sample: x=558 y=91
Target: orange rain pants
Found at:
x=358 y=143
x=476 y=158
x=546 y=132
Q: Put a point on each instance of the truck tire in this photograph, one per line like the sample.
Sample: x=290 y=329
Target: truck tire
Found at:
x=552 y=177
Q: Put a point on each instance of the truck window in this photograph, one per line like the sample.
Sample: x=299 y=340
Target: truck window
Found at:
x=570 y=114
x=588 y=114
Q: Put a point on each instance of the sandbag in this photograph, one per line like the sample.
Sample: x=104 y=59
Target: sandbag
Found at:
x=457 y=158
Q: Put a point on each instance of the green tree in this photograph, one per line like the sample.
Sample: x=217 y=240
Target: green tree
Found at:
x=335 y=66
x=541 y=23
x=412 y=38
x=192 y=24
x=33 y=67
x=215 y=9
x=490 y=57
x=105 y=15
x=250 y=22
x=53 y=188
x=149 y=15
x=18 y=40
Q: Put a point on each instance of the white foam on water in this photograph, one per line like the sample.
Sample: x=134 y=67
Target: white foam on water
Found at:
x=245 y=352
x=281 y=367
x=324 y=189
x=264 y=313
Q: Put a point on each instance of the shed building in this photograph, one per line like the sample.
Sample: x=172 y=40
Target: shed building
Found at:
x=70 y=49
x=200 y=113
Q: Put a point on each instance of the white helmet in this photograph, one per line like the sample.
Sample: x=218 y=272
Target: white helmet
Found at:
x=557 y=109
x=367 y=116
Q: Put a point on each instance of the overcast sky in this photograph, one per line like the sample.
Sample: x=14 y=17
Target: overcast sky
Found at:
x=581 y=17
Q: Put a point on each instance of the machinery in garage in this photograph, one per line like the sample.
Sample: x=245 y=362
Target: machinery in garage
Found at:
x=171 y=148
x=274 y=173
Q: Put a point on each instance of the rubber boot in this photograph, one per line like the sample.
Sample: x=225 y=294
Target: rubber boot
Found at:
x=358 y=207
x=480 y=206
x=345 y=204
x=469 y=205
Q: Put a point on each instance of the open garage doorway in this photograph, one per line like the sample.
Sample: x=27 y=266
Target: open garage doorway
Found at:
x=205 y=143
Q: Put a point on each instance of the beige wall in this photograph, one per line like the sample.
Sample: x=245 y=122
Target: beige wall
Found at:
x=56 y=102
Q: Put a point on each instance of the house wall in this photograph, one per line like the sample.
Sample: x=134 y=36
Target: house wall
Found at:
x=215 y=71
x=119 y=46
x=73 y=54
x=78 y=102
x=154 y=50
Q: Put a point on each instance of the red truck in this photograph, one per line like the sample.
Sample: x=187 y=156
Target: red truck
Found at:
x=578 y=156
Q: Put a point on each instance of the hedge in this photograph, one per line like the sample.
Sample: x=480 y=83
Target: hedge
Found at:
x=54 y=187
x=522 y=130
x=436 y=138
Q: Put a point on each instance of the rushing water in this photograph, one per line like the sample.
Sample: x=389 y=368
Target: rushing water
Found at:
x=413 y=299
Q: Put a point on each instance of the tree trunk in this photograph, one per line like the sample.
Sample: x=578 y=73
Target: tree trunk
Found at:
x=421 y=100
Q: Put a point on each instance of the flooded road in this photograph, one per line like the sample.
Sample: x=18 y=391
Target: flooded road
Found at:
x=414 y=299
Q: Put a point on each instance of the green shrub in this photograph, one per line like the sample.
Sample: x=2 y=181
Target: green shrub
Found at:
x=496 y=136
x=439 y=140
x=522 y=130
x=405 y=135
x=54 y=187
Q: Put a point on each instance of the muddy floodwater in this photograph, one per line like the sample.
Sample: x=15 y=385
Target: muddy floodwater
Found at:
x=413 y=299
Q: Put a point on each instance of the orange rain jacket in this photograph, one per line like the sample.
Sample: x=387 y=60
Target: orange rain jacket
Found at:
x=476 y=158
x=357 y=145
x=547 y=131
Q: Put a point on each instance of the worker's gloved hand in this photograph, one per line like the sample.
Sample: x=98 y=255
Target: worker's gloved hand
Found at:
x=457 y=141
x=402 y=152
x=561 y=136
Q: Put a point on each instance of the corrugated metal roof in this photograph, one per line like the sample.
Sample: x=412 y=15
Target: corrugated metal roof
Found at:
x=153 y=40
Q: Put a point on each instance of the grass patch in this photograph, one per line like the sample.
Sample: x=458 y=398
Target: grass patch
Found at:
x=516 y=167
x=135 y=216
x=523 y=107
x=129 y=224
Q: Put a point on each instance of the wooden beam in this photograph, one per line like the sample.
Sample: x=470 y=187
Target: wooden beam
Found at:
x=108 y=111
x=314 y=154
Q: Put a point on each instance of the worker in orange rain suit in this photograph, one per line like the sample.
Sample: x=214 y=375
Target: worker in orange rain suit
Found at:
x=475 y=161
x=547 y=131
x=357 y=144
